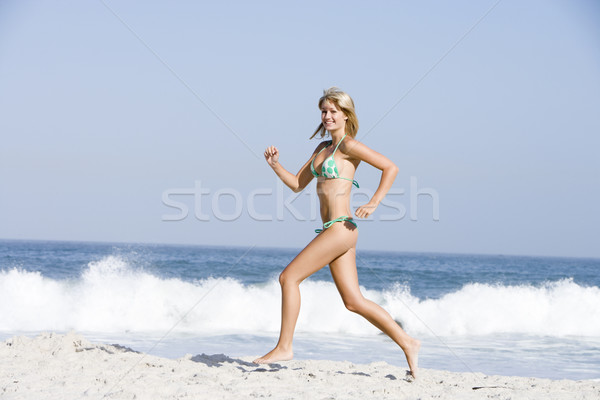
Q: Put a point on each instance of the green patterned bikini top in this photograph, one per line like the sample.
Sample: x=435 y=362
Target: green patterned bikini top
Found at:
x=329 y=168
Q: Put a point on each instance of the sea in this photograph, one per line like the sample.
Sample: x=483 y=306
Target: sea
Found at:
x=493 y=314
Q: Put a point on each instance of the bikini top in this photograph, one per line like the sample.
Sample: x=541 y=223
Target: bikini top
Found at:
x=329 y=167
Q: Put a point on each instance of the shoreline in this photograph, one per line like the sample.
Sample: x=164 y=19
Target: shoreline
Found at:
x=59 y=366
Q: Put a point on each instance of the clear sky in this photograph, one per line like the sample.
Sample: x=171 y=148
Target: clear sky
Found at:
x=112 y=111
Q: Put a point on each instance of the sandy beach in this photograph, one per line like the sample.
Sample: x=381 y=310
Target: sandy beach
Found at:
x=53 y=366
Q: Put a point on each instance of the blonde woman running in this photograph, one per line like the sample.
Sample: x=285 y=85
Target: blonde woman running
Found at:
x=334 y=163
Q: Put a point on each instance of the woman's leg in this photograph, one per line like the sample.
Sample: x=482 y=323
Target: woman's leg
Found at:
x=343 y=270
x=325 y=247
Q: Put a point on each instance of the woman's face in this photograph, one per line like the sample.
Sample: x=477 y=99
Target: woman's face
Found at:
x=332 y=117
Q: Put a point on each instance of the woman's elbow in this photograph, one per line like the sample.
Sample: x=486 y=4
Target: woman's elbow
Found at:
x=298 y=188
x=300 y=185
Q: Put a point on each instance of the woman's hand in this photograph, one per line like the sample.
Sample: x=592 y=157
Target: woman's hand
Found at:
x=272 y=155
x=365 y=210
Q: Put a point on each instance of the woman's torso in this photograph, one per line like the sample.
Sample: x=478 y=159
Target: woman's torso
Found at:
x=334 y=194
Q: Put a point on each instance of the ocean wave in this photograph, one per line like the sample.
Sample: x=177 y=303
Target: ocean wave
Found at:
x=112 y=296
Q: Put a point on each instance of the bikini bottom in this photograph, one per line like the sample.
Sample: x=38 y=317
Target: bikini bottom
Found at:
x=333 y=221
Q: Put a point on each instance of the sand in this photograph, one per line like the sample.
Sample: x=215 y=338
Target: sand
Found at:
x=53 y=366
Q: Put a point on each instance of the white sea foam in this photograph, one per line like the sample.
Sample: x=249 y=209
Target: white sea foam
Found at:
x=556 y=309
x=111 y=296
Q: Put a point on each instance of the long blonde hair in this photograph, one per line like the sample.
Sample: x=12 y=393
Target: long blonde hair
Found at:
x=342 y=101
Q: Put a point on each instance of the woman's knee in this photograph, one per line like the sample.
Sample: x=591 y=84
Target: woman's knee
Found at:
x=283 y=278
x=354 y=303
x=286 y=278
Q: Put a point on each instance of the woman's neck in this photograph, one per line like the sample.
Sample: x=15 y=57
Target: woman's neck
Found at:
x=337 y=135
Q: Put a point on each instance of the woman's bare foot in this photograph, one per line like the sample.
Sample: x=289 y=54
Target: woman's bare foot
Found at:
x=412 y=356
x=275 y=355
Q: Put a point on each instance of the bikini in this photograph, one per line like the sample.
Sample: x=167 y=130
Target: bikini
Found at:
x=329 y=170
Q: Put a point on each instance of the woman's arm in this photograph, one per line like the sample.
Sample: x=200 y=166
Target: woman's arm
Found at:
x=357 y=150
x=295 y=182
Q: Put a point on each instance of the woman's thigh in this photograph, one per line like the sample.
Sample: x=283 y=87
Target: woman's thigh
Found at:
x=345 y=276
x=322 y=250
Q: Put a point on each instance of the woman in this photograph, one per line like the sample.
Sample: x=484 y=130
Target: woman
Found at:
x=334 y=163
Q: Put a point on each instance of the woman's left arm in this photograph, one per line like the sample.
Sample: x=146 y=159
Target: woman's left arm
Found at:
x=357 y=150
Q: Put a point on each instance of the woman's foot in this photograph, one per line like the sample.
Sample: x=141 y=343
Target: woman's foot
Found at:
x=412 y=356
x=275 y=355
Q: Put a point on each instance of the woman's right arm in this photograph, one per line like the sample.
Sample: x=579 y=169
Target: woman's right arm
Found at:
x=295 y=182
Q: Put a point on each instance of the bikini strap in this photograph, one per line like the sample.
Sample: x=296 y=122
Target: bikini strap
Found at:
x=333 y=221
x=338 y=145
x=351 y=180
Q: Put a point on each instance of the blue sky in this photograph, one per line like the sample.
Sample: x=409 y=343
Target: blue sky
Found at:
x=108 y=107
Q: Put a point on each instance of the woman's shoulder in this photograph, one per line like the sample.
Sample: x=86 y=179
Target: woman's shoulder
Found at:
x=348 y=143
x=322 y=145
x=352 y=148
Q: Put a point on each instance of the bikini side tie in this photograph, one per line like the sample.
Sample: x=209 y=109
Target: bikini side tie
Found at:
x=333 y=221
